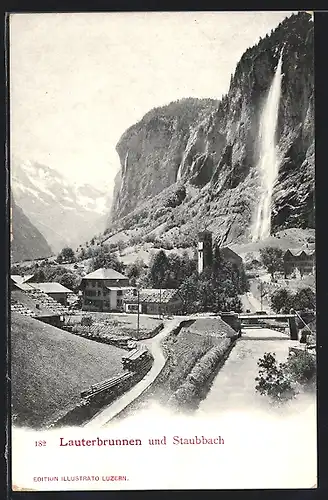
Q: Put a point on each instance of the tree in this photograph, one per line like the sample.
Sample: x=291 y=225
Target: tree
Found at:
x=304 y=299
x=158 y=269
x=302 y=368
x=70 y=281
x=282 y=301
x=188 y=291
x=66 y=255
x=39 y=276
x=87 y=321
x=273 y=379
x=103 y=258
x=82 y=254
x=134 y=271
x=214 y=290
x=170 y=271
x=272 y=259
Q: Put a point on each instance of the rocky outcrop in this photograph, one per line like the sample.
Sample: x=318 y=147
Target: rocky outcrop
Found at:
x=211 y=147
x=27 y=243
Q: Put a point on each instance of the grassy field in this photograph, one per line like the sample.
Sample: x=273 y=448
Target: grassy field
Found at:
x=287 y=238
x=51 y=367
x=121 y=324
x=215 y=327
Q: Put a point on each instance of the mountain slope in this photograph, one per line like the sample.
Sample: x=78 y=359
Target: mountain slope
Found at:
x=50 y=369
x=27 y=243
x=65 y=213
x=209 y=150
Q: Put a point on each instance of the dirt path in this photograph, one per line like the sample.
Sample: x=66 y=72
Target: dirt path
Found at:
x=154 y=345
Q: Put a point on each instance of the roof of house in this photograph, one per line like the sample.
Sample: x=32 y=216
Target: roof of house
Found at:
x=297 y=252
x=154 y=295
x=104 y=274
x=21 y=279
x=35 y=303
x=23 y=286
x=115 y=288
x=51 y=287
x=226 y=252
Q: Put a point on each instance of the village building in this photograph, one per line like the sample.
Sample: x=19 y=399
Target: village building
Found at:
x=103 y=290
x=29 y=301
x=153 y=301
x=17 y=279
x=299 y=261
x=54 y=290
x=231 y=256
x=206 y=251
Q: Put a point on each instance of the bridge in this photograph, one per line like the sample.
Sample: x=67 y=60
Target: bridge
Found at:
x=291 y=318
x=239 y=320
x=265 y=316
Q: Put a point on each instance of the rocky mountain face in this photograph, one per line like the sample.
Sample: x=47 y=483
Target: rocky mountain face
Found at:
x=65 y=213
x=27 y=243
x=203 y=153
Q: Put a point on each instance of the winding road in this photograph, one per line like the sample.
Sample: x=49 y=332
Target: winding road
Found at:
x=154 y=345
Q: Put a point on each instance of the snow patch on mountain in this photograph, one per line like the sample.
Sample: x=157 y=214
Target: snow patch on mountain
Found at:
x=64 y=212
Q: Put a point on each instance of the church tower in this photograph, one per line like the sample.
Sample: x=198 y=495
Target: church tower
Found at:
x=205 y=250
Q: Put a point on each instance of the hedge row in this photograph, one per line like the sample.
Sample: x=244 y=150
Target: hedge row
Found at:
x=188 y=393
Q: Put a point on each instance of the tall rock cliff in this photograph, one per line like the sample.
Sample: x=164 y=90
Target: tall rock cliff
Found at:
x=210 y=148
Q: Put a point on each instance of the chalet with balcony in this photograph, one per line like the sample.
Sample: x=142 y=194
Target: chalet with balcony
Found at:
x=103 y=290
x=302 y=261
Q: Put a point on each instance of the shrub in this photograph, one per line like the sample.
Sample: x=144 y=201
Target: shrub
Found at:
x=184 y=364
x=135 y=240
x=272 y=259
x=150 y=238
x=304 y=299
x=203 y=369
x=273 y=379
x=86 y=321
x=183 y=395
x=302 y=367
x=282 y=300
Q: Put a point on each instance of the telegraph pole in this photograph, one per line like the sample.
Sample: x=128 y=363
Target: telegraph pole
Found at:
x=160 y=300
x=138 y=320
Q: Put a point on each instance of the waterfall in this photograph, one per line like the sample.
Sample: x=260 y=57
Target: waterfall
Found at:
x=179 y=173
x=268 y=164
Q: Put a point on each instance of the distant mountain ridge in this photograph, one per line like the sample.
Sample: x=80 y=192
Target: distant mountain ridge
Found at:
x=27 y=243
x=192 y=164
x=65 y=213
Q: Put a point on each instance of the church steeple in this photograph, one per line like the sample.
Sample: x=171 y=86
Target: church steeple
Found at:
x=205 y=250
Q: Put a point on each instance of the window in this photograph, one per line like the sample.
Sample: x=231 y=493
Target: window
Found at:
x=119 y=302
x=98 y=293
x=93 y=284
x=119 y=293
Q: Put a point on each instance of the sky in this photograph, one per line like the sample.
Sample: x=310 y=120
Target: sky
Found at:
x=79 y=80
